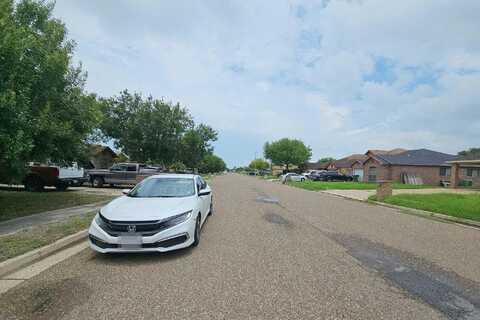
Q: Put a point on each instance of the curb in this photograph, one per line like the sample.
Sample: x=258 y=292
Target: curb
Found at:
x=423 y=213
x=28 y=258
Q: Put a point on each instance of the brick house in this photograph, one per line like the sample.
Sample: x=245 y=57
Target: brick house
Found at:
x=465 y=170
x=351 y=165
x=429 y=167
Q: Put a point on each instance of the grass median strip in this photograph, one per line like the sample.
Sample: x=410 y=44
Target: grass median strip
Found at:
x=36 y=237
x=322 y=185
x=14 y=204
x=466 y=206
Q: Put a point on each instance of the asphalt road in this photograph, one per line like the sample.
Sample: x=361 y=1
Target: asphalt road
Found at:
x=273 y=252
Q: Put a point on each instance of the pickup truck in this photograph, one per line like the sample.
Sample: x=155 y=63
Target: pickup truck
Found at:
x=38 y=176
x=121 y=173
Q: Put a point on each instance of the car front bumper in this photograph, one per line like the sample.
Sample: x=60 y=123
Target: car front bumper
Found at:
x=174 y=238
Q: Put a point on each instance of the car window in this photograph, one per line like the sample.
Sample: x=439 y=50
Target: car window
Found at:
x=164 y=188
x=131 y=167
x=118 y=167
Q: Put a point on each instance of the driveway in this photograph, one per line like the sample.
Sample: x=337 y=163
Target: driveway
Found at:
x=273 y=252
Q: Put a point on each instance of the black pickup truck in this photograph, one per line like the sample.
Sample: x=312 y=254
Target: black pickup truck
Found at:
x=121 y=174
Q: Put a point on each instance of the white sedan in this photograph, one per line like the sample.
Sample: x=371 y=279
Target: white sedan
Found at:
x=292 y=177
x=162 y=213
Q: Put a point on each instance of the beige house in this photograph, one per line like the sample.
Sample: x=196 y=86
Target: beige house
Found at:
x=101 y=157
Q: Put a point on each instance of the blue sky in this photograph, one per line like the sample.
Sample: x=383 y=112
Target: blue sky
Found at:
x=343 y=76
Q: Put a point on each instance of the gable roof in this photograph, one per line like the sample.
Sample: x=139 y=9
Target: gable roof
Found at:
x=347 y=162
x=317 y=165
x=96 y=149
x=419 y=157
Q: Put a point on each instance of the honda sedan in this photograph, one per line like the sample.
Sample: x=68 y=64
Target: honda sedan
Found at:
x=162 y=213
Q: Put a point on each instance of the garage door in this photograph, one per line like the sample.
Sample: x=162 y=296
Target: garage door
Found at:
x=359 y=173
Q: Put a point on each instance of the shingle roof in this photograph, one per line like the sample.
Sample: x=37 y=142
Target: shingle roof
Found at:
x=420 y=157
x=347 y=162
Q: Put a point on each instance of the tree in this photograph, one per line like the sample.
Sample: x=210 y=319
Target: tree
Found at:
x=470 y=154
x=196 y=144
x=45 y=113
x=148 y=130
x=212 y=164
x=287 y=152
x=259 y=164
x=326 y=160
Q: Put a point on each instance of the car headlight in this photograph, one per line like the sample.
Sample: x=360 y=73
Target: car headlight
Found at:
x=100 y=221
x=177 y=219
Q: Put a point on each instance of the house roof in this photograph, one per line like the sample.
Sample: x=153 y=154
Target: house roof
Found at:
x=347 y=162
x=419 y=157
x=388 y=152
x=96 y=149
x=317 y=165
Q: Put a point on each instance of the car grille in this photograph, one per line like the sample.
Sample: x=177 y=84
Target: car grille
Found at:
x=166 y=243
x=145 y=228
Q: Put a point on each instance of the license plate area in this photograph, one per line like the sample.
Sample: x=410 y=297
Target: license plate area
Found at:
x=130 y=241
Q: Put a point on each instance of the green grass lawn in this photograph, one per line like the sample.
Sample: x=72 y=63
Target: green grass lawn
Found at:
x=36 y=237
x=14 y=204
x=322 y=185
x=465 y=206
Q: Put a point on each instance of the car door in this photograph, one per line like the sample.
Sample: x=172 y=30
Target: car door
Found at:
x=131 y=174
x=116 y=174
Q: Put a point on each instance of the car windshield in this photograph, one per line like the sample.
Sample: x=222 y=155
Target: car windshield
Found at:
x=164 y=188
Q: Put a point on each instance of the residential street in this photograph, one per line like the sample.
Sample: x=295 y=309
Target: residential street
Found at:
x=272 y=251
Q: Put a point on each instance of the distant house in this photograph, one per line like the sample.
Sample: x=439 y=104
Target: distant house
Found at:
x=423 y=165
x=465 y=171
x=101 y=157
x=317 y=165
x=351 y=165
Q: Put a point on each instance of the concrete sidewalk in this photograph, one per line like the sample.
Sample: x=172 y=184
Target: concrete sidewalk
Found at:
x=363 y=195
x=15 y=225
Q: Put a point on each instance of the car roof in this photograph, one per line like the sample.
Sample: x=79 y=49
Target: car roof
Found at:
x=174 y=175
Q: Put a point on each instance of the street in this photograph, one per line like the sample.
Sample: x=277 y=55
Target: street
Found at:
x=272 y=251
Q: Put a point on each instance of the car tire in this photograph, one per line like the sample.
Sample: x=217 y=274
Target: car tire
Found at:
x=97 y=182
x=61 y=186
x=34 y=184
x=196 y=235
x=303 y=179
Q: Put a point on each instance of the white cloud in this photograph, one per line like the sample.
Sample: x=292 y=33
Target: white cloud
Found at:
x=261 y=70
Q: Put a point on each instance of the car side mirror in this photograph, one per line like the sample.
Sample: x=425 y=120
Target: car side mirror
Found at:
x=203 y=193
x=125 y=191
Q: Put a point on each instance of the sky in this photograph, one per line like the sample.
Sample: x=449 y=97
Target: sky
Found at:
x=343 y=76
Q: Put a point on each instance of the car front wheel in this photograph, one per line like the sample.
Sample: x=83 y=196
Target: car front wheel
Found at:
x=97 y=182
x=196 y=236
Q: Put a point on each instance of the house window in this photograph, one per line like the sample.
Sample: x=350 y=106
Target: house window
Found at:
x=445 y=172
x=469 y=172
x=372 y=174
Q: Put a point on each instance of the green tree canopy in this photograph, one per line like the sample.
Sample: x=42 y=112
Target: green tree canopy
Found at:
x=155 y=131
x=287 y=152
x=196 y=144
x=259 y=164
x=45 y=114
x=212 y=164
x=326 y=160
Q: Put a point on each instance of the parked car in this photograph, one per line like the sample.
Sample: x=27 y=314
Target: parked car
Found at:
x=308 y=173
x=330 y=176
x=161 y=213
x=121 y=174
x=291 y=176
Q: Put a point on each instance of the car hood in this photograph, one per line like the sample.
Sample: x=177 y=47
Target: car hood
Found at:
x=139 y=209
